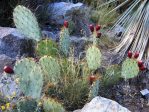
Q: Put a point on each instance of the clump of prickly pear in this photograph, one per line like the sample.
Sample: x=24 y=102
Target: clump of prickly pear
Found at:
x=64 y=40
x=50 y=105
x=47 y=47
x=26 y=22
x=30 y=77
x=50 y=68
x=131 y=67
x=93 y=57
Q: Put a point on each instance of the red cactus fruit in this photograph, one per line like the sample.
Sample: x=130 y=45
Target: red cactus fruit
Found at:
x=8 y=69
x=98 y=34
x=140 y=63
x=142 y=68
x=92 y=78
x=136 y=55
x=91 y=26
x=66 y=24
x=129 y=54
x=98 y=27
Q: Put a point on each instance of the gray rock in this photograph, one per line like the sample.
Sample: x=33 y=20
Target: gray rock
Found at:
x=5 y=60
x=79 y=44
x=13 y=43
x=9 y=89
x=100 y=104
x=76 y=13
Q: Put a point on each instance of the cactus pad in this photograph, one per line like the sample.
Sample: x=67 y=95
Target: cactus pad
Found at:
x=93 y=57
x=130 y=68
x=30 y=77
x=50 y=105
x=64 y=41
x=112 y=75
x=26 y=105
x=47 y=47
x=51 y=68
x=26 y=22
x=94 y=90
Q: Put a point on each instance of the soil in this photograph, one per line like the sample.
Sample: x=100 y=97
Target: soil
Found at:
x=127 y=93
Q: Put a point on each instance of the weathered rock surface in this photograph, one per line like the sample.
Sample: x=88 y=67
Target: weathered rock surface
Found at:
x=100 y=104
x=13 y=43
x=76 y=13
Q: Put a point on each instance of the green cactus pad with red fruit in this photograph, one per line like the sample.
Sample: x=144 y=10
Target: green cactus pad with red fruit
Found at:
x=130 y=68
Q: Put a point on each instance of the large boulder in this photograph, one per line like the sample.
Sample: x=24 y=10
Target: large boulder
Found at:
x=100 y=104
x=13 y=43
x=74 y=13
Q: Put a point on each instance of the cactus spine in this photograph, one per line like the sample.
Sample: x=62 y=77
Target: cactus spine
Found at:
x=30 y=77
x=26 y=22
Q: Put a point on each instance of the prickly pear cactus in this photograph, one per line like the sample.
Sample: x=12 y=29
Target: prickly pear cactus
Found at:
x=64 y=41
x=26 y=105
x=94 y=90
x=93 y=57
x=130 y=68
x=30 y=77
x=51 y=69
x=47 y=47
x=50 y=105
x=112 y=75
x=26 y=22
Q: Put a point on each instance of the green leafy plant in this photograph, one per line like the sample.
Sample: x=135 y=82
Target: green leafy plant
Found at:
x=111 y=76
x=47 y=47
x=50 y=105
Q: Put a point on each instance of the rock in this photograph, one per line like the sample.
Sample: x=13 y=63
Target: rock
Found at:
x=100 y=104
x=5 y=60
x=13 y=43
x=9 y=88
x=79 y=44
x=76 y=13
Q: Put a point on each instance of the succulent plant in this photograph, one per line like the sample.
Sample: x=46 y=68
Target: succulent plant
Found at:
x=64 y=41
x=112 y=75
x=30 y=77
x=93 y=57
x=130 y=68
x=50 y=105
x=26 y=105
x=47 y=47
x=50 y=68
x=26 y=22
x=94 y=89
